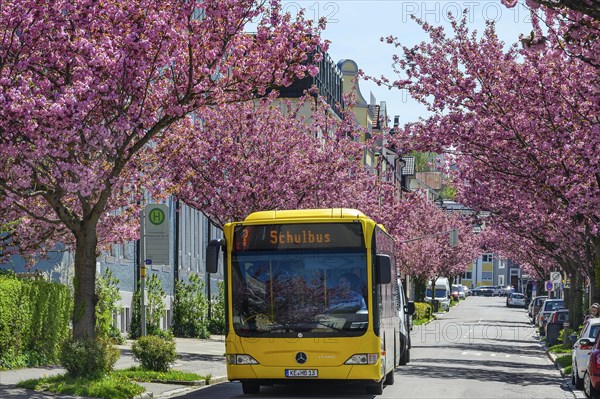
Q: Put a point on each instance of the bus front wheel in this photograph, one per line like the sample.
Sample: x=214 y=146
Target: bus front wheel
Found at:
x=375 y=389
x=250 y=388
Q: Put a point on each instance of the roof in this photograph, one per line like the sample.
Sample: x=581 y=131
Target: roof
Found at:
x=330 y=213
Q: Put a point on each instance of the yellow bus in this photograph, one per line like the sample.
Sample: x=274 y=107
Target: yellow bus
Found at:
x=311 y=295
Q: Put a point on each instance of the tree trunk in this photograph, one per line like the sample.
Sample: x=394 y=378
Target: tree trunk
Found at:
x=594 y=291
x=84 y=309
x=576 y=303
x=420 y=287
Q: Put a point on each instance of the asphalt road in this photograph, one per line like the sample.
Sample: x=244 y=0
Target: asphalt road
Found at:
x=480 y=349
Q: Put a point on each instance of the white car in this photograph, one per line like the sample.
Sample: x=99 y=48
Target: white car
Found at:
x=466 y=290
x=515 y=299
x=581 y=351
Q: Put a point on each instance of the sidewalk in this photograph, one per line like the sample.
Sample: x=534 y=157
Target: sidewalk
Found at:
x=201 y=356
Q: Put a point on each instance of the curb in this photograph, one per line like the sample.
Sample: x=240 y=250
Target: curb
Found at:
x=218 y=380
x=553 y=358
x=198 y=383
x=188 y=386
x=144 y=395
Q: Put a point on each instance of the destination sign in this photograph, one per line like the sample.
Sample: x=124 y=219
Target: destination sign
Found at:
x=298 y=236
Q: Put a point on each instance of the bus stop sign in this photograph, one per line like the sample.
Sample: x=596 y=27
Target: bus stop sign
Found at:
x=155 y=234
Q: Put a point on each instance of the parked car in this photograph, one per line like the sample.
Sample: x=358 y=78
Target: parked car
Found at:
x=462 y=291
x=549 y=306
x=507 y=290
x=466 y=290
x=581 y=351
x=558 y=317
x=455 y=292
x=534 y=306
x=515 y=299
x=591 y=380
x=441 y=293
x=497 y=290
x=485 y=290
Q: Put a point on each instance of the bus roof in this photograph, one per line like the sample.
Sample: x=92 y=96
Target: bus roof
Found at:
x=330 y=213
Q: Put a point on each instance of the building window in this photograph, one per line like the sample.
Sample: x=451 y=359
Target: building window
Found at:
x=123 y=321
x=486 y=257
x=127 y=319
x=468 y=275
x=128 y=249
x=114 y=250
x=487 y=276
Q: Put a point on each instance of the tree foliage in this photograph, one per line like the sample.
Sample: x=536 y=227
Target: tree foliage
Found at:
x=88 y=86
x=190 y=309
x=522 y=125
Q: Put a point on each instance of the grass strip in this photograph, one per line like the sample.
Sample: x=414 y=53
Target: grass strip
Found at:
x=112 y=386
x=141 y=375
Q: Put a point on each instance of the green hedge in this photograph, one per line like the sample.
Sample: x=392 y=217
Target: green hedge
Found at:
x=34 y=321
x=422 y=311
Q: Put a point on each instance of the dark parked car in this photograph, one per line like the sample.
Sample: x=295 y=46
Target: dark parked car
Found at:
x=591 y=379
x=554 y=325
x=485 y=290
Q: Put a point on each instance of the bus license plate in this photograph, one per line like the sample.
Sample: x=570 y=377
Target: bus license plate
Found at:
x=301 y=373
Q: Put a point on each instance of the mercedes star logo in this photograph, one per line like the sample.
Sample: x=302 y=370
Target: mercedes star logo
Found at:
x=301 y=357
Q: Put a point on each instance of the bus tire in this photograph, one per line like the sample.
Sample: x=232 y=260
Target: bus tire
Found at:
x=376 y=388
x=250 y=388
x=389 y=378
x=405 y=357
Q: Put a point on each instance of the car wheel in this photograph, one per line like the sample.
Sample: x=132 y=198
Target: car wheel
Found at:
x=578 y=382
x=589 y=389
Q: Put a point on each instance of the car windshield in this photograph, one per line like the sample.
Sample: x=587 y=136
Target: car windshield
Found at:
x=594 y=331
x=285 y=292
x=562 y=316
x=439 y=293
x=518 y=296
x=553 y=305
x=539 y=301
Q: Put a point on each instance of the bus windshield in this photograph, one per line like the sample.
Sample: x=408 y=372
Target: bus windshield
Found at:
x=311 y=292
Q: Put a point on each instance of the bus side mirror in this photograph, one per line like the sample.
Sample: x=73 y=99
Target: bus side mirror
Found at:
x=383 y=269
x=212 y=255
x=411 y=308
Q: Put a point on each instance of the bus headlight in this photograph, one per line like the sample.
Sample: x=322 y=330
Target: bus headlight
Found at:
x=363 y=358
x=241 y=359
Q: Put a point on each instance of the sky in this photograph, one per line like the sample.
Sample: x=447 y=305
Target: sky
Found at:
x=355 y=27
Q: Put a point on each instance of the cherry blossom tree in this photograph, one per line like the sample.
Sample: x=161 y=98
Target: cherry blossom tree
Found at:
x=88 y=87
x=424 y=248
x=262 y=155
x=572 y=26
x=523 y=127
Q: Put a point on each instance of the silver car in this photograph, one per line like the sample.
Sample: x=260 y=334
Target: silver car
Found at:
x=515 y=299
x=581 y=351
